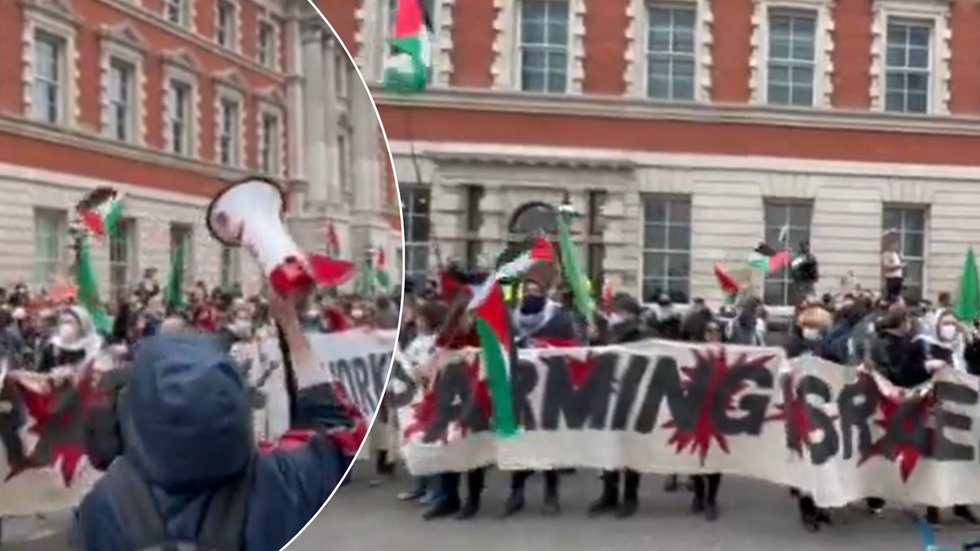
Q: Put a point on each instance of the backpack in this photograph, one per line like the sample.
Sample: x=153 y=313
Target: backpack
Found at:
x=145 y=529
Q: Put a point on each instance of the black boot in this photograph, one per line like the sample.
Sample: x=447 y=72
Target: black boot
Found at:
x=711 y=496
x=443 y=508
x=698 y=488
x=514 y=503
x=470 y=508
x=474 y=489
x=932 y=516
x=551 y=506
x=631 y=490
x=965 y=514
x=608 y=500
x=671 y=485
x=809 y=514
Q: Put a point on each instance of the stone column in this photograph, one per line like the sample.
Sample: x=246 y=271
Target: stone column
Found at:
x=332 y=119
x=316 y=154
x=294 y=98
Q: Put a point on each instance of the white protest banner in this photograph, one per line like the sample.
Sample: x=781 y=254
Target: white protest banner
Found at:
x=357 y=359
x=44 y=469
x=667 y=407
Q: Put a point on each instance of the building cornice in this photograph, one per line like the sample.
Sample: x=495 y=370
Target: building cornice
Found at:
x=20 y=126
x=629 y=108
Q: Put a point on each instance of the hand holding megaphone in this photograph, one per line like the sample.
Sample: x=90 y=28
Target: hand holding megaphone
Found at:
x=249 y=214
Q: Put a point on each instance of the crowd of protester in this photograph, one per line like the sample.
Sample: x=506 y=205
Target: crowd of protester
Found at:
x=905 y=341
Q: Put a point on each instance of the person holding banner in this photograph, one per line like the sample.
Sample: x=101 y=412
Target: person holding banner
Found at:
x=702 y=327
x=624 y=326
x=186 y=459
x=540 y=323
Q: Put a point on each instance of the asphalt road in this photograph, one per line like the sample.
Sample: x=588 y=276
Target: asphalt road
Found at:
x=755 y=517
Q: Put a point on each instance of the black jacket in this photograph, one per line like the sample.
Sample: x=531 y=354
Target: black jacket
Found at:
x=901 y=359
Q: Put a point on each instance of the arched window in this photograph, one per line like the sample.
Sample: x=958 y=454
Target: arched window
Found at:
x=531 y=218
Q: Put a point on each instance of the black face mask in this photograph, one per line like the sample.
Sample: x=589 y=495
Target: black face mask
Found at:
x=533 y=304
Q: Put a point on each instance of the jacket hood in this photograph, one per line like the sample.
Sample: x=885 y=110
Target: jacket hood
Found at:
x=185 y=414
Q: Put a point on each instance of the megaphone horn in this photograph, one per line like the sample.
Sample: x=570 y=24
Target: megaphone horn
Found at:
x=249 y=214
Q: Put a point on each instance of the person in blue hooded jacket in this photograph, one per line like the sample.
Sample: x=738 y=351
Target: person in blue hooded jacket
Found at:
x=185 y=425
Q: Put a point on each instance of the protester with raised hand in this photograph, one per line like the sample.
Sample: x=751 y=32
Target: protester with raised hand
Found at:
x=186 y=440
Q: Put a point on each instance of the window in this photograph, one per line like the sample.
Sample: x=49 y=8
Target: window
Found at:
x=229 y=268
x=267 y=45
x=50 y=228
x=907 y=66
x=49 y=70
x=666 y=248
x=544 y=45
x=792 y=57
x=228 y=119
x=344 y=162
x=908 y=224
x=415 y=216
x=225 y=24
x=121 y=256
x=670 y=51
x=474 y=221
x=269 y=146
x=182 y=235
x=787 y=224
x=179 y=118
x=121 y=92
x=175 y=11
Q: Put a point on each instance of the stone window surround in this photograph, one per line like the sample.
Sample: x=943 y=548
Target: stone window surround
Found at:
x=229 y=88
x=189 y=9
x=57 y=19
x=124 y=44
x=271 y=106
x=372 y=29
x=636 y=54
x=934 y=12
x=181 y=67
x=823 y=83
x=506 y=67
x=236 y=29
x=276 y=62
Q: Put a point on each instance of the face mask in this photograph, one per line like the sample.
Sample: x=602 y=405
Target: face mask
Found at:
x=357 y=314
x=615 y=319
x=533 y=304
x=811 y=333
x=67 y=332
x=947 y=332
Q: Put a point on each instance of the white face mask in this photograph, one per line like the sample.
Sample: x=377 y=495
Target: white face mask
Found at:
x=357 y=314
x=68 y=332
x=615 y=319
x=947 y=332
x=811 y=333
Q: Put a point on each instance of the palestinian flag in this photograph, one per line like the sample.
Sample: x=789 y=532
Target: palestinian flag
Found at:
x=577 y=281
x=173 y=294
x=99 y=212
x=728 y=285
x=540 y=251
x=409 y=58
x=492 y=324
x=87 y=294
x=381 y=271
x=769 y=263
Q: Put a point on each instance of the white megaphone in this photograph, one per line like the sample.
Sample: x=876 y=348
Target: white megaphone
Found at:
x=249 y=214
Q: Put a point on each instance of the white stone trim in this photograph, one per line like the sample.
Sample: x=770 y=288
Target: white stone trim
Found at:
x=56 y=18
x=934 y=12
x=636 y=40
x=124 y=43
x=823 y=82
x=189 y=15
x=506 y=67
x=180 y=66
x=227 y=93
x=263 y=109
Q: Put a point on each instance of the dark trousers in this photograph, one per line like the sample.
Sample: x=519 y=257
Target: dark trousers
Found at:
x=705 y=487
x=449 y=485
x=518 y=481
x=610 y=485
x=893 y=288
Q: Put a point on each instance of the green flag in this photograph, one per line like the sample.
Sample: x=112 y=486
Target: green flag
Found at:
x=967 y=304
x=173 y=293
x=88 y=286
x=577 y=281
